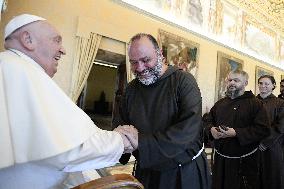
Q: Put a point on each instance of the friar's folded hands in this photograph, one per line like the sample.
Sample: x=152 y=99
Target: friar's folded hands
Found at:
x=129 y=135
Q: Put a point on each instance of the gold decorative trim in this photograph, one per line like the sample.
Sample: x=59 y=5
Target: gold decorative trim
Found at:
x=269 y=11
x=260 y=26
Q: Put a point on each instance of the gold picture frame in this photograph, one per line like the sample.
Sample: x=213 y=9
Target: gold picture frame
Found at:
x=225 y=64
x=179 y=51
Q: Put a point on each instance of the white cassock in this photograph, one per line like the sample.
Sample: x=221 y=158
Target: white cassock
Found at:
x=43 y=135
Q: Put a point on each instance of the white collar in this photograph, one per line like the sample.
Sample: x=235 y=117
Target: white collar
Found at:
x=26 y=58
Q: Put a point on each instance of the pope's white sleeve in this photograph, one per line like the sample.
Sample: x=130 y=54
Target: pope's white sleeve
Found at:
x=103 y=149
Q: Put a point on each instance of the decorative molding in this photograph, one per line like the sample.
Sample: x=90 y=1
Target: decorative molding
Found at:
x=269 y=11
x=212 y=32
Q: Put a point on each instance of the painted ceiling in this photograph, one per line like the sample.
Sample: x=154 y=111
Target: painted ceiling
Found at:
x=271 y=12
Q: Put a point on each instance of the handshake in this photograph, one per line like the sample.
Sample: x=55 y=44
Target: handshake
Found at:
x=129 y=136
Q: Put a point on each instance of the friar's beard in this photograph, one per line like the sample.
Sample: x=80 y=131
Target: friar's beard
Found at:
x=155 y=73
x=233 y=93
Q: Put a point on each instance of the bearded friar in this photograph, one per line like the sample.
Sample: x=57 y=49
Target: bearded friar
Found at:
x=164 y=104
x=236 y=83
x=147 y=62
x=237 y=124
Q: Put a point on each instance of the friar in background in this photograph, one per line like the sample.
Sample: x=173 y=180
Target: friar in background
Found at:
x=281 y=95
x=272 y=147
x=238 y=122
x=164 y=104
x=44 y=136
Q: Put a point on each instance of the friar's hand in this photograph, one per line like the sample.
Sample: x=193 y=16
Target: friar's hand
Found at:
x=131 y=133
x=130 y=137
x=228 y=132
x=216 y=133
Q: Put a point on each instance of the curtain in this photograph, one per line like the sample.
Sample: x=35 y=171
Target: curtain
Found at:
x=130 y=75
x=86 y=50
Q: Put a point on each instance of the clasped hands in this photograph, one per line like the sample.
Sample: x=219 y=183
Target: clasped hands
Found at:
x=222 y=132
x=129 y=136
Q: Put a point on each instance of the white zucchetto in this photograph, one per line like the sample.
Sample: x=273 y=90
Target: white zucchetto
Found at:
x=20 y=21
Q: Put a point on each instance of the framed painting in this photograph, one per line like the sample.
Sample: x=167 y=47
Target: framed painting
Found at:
x=259 y=71
x=179 y=52
x=225 y=64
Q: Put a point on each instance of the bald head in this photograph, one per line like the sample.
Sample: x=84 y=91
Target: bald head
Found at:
x=40 y=41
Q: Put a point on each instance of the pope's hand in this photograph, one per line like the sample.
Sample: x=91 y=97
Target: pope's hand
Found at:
x=129 y=135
